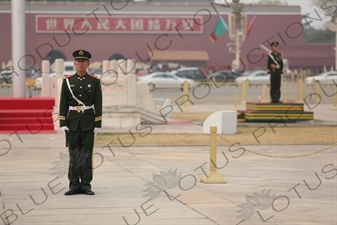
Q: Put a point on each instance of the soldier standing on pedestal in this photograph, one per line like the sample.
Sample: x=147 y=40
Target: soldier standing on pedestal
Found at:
x=275 y=68
x=80 y=119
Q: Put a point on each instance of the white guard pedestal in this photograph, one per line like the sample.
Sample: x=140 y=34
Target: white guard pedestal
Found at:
x=225 y=121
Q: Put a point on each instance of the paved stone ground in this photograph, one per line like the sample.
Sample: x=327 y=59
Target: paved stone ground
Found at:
x=273 y=191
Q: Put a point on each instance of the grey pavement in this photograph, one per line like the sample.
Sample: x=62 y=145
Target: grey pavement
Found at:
x=294 y=191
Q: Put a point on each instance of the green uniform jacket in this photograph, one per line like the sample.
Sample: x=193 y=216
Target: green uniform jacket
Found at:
x=88 y=90
x=279 y=59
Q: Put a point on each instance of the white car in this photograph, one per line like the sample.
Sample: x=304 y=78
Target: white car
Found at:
x=255 y=77
x=194 y=73
x=38 y=81
x=323 y=78
x=165 y=80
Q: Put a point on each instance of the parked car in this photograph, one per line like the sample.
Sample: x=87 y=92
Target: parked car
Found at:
x=6 y=77
x=38 y=80
x=165 y=80
x=193 y=73
x=224 y=76
x=323 y=78
x=254 y=77
x=97 y=73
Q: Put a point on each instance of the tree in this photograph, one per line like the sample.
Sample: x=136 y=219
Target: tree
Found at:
x=318 y=36
x=328 y=6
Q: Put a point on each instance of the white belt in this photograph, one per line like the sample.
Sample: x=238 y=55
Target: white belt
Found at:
x=79 y=108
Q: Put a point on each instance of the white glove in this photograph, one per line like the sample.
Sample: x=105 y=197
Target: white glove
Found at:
x=95 y=131
x=64 y=129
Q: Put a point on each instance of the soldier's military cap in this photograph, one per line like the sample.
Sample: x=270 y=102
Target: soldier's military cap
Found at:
x=81 y=54
x=274 y=43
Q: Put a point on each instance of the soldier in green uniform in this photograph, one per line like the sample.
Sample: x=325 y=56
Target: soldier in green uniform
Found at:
x=81 y=116
x=275 y=68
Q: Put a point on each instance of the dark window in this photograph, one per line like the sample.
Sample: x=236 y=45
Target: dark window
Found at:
x=190 y=74
x=69 y=68
x=159 y=76
x=169 y=76
x=181 y=74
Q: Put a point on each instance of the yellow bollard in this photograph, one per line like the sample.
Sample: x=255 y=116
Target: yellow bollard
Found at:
x=300 y=91
x=334 y=102
x=212 y=176
x=285 y=96
x=235 y=100
x=264 y=93
x=243 y=92
x=212 y=83
x=316 y=87
x=185 y=90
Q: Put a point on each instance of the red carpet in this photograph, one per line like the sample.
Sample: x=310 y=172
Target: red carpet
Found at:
x=178 y=122
x=26 y=115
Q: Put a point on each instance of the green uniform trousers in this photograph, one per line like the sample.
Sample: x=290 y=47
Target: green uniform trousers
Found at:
x=275 y=86
x=80 y=173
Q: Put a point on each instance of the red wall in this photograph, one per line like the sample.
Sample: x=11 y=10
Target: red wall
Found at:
x=103 y=46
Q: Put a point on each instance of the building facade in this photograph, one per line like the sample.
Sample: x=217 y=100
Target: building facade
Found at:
x=159 y=32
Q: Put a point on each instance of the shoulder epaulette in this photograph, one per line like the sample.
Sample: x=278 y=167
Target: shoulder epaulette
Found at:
x=69 y=76
x=93 y=76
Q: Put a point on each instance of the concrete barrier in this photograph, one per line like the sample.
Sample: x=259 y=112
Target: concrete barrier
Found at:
x=225 y=121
